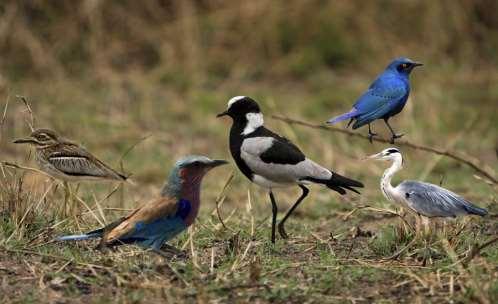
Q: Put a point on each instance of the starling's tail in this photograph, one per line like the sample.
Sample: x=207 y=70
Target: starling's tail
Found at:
x=471 y=209
x=348 y=115
x=78 y=237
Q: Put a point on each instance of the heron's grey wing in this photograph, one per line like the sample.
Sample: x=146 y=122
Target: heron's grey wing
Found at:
x=260 y=155
x=433 y=201
x=76 y=161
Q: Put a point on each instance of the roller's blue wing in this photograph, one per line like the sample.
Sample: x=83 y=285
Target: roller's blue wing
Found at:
x=152 y=224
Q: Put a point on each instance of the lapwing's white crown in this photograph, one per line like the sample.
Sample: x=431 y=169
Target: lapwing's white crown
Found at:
x=234 y=100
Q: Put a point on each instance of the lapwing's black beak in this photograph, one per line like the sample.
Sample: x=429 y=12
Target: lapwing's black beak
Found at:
x=222 y=114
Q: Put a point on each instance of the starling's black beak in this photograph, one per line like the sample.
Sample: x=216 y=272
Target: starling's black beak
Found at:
x=218 y=162
x=27 y=140
x=222 y=114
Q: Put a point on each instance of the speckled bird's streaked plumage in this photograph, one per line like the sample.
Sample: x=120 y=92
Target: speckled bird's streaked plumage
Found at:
x=160 y=219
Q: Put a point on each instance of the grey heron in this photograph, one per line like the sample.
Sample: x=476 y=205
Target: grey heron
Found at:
x=423 y=199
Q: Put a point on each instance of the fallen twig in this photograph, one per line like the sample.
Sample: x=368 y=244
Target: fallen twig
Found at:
x=473 y=163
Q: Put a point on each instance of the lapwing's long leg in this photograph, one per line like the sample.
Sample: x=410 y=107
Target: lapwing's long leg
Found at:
x=274 y=210
x=281 y=228
x=394 y=135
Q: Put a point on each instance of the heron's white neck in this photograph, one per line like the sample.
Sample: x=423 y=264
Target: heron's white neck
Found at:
x=385 y=182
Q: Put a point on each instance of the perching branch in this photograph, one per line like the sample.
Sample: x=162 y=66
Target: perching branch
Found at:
x=471 y=162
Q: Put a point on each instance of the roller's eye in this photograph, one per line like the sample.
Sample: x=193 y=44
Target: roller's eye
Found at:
x=404 y=66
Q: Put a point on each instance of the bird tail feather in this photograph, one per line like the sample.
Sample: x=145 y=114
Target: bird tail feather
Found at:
x=348 y=115
x=79 y=237
x=475 y=210
x=338 y=183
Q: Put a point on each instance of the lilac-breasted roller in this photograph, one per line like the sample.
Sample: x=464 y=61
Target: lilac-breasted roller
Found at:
x=160 y=219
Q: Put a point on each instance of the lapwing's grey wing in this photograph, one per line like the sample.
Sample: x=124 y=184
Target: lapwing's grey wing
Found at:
x=434 y=201
x=278 y=160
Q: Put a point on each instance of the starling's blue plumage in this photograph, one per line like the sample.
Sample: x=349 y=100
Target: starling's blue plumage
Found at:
x=385 y=97
x=160 y=219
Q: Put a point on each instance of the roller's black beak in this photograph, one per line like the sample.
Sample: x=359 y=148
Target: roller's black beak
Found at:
x=416 y=64
x=27 y=140
x=218 y=162
x=222 y=114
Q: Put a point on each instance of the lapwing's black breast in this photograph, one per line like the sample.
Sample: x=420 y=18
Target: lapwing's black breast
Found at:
x=236 y=139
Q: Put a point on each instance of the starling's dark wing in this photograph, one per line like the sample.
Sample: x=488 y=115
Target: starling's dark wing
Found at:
x=382 y=96
x=76 y=161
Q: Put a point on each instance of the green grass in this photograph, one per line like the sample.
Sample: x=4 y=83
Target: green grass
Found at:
x=326 y=260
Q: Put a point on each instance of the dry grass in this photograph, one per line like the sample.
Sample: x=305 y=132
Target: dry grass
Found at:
x=153 y=75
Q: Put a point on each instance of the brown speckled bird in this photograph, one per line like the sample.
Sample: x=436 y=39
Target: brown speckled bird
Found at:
x=65 y=160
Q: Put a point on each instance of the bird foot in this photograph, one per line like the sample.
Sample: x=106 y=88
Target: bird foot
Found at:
x=394 y=136
x=171 y=254
x=371 y=136
x=281 y=231
x=173 y=251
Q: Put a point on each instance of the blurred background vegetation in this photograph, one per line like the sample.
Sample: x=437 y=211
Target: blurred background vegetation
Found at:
x=107 y=73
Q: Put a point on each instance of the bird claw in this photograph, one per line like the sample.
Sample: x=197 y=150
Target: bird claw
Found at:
x=171 y=252
x=394 y=136
x=371 y=136
x=281 y=231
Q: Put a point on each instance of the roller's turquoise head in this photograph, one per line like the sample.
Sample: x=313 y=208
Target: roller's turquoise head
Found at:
x=189 y=169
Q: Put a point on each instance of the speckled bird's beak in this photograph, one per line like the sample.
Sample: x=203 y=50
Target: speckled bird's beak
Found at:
x=27 y=140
